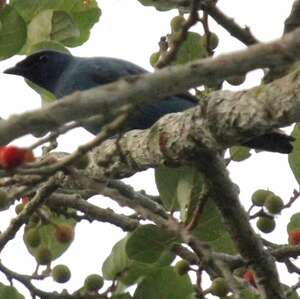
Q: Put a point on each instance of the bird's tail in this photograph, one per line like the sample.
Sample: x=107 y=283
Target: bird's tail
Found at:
x=276 y=141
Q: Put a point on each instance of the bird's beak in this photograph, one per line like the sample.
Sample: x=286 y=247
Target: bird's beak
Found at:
x=13 y=71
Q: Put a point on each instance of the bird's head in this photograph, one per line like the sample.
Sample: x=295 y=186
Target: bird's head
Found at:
x=42 y=68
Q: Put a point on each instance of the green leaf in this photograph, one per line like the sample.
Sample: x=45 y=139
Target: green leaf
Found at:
x=189 y=187
x=147 y=243
x=39 y=29
x=117 y=261
x=85 y=21
x=294 y=156
x=120 y=287
x=191 y=49
x=164 y=283
x=179 y=188
x=119 y=266
x=49 y=45
x=294 y=222
x=84 y=14
x=13 y=32
x=239 y=153
x=63 y=27
x=248 y=294
x=211 y=229
x=8 y=292
x=161 y=5
x=293 y=295
x=121 y=296
x=138 y=270
x=166 y=179
x=50 y=25
x=48 y=239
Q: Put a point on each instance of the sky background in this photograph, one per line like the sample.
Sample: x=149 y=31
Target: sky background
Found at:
x=131 y=31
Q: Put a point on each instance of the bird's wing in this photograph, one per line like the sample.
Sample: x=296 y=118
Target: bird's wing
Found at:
x=107 y=70
x=85 y=73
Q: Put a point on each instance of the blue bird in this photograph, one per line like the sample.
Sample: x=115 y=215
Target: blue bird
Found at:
x=62 y=74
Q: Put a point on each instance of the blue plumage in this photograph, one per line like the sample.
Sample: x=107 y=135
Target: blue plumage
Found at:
x=62 y=74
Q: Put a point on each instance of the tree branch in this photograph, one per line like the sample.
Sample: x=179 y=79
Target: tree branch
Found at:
x=150 y=87
x=293 y=20
x=96 y=213
x=236 y=221
x=171 y=54
x=242 y=34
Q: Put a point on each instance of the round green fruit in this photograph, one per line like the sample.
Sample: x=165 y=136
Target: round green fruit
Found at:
x=32 y=237
x=213 y=41
x=182 y=267
x=4 y=200
x=176 y=23
x=219 y=287
x=61 y=273
x=259 y=197
x=265 y=224
x=274 y=204
x=154 y=58
x=43 y=256
x=93 y=282
x=236 y=80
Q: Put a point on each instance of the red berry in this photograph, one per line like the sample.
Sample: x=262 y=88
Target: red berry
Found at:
x=248 y=276
x=12 y=156
x=25 y=200
x=294 y=237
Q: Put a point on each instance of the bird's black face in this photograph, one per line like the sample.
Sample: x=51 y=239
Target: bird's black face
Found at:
x=42 y=68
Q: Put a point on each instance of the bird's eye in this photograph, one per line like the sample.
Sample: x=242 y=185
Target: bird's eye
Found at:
x=43 y=58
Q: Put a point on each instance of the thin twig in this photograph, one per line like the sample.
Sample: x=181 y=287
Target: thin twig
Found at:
x=171 y=54
x=242 y=34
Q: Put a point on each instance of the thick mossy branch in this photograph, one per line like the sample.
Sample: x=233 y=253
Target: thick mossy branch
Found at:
x=236 y=220
x=222 y=120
